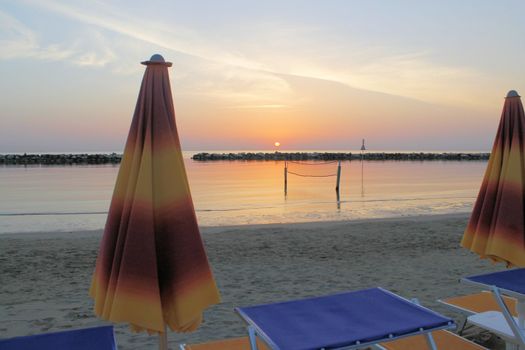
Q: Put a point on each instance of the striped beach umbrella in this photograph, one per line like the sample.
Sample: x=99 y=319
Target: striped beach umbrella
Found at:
x=152 y=269
x=496 y=229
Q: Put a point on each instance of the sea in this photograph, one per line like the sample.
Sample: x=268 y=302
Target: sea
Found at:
x=76 y=198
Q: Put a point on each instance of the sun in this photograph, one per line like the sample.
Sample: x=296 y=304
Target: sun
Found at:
x=277 y=144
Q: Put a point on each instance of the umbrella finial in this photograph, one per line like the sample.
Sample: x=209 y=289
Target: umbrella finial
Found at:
x=512 y=93
x=156 y=59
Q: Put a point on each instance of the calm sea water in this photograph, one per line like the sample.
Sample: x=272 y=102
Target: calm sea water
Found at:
x=50 y=198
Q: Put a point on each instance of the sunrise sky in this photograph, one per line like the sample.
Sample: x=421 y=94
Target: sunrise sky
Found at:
x=405 y=75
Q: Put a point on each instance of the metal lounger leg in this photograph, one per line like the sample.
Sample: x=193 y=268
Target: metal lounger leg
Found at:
x=253 y=338
x=430 y=341
x=462 y=326
x=520 y=307
x=428 y=336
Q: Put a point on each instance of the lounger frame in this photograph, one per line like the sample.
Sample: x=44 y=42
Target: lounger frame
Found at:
x=463 y=311
x=519 y=332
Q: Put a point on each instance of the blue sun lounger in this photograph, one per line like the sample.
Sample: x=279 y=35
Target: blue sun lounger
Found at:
x=511 y=283
x=96 y=338
x=350 y=320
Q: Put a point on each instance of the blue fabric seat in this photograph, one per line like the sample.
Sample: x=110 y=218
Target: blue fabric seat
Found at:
x=341 y=320
x=511 y=280
x=96 y=338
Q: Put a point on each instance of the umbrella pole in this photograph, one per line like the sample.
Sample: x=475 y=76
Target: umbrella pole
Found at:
x=163 y=340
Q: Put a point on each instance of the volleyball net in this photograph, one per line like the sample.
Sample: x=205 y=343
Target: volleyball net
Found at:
x=312 y=169
x=321 y=169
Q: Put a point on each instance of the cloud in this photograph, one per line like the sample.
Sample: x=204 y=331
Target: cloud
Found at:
x=286 y=49
x=19 y=41
x=99 y=53
x=104 y=16
x=411 y=75
x=232 y=85
x=270 y=106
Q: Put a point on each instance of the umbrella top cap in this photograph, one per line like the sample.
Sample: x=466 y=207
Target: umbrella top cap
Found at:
x=512 y=93
x=156 y=59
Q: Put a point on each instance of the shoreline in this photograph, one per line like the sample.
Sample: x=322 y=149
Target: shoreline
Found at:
x=218 y=229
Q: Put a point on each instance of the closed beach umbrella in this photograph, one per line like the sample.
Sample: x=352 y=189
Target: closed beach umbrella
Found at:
x=152 y=268
x=496 y=229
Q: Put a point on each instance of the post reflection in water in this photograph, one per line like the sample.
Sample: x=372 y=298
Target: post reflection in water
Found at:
x=362 y=179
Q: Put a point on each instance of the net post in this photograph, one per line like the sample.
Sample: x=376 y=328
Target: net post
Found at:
x=338 y=178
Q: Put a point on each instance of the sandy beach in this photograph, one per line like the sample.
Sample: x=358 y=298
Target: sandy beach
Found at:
x=44 y=277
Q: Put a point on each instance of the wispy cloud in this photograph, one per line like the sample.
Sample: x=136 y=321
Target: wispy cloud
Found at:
x=19 y=41
x=286 y=49
x=269 y=106
x=99 y=51
x=104 y=16
x=412 y=75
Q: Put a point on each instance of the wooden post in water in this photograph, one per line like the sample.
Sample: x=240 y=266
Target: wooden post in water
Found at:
x=338 y=178
x=285 y=177
x=363 y=149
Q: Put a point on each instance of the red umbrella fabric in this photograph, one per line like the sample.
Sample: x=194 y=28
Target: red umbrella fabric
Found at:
x=496 y=229
x=152 y=269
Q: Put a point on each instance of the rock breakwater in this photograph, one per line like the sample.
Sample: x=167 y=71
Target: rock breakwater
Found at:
x=115 y=158
x=324 y=156
x=60 y=159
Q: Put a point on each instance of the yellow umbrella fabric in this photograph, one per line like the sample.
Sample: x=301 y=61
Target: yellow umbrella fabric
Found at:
x=496 y=229
x=152 y=269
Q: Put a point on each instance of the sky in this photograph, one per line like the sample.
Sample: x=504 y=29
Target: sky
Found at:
x=323 y=74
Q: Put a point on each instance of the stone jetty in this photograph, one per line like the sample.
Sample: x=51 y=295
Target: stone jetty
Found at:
x=60 y=159
x=327 y=156
x=115 y=158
